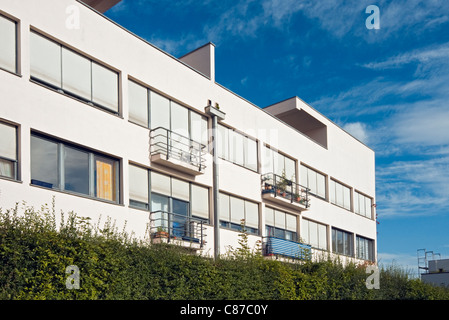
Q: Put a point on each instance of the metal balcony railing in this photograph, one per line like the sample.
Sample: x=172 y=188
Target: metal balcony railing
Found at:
x=286 y=248
x=176 y=146
x=286 y=189
x=172 y=226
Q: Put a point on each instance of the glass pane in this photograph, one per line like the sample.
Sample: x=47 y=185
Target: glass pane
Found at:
x=180 y=143
x=321 y=185
x=160 y=107
x=159 y=209
x=224 y=207
x=291 y=222
x=138 y=103
x=279 y=219
x=8 y=44
x=105 y=179
x=45 y=60
x=269 y=216
x=290 y=170
x=138 y=184
x=250 y=154
x=76 y=170
x=237 y=210
x=8 y=147
x=104 y=87
x=305 y=231
x=180 y=189
x=160 y=183
x=339 y=194
x=44 y=163
x=313 y=234
x=76 y=74
x=279 y=163
x=196 y=128
x=303 y=176
x=312 y=181
x=322 y=237
x=332 y=191
x=267 y=160
x=357 y=199
x=347 y=197
x=367 y=207
x=179 y=218
x=223 y=142
x=7 y=169
x=251 y=214
x=236 y=147
x=200 y=201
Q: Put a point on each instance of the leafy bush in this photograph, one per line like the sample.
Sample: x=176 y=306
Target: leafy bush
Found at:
x=35 y=251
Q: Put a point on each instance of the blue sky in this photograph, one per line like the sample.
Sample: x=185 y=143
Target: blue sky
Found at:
x=389 y=87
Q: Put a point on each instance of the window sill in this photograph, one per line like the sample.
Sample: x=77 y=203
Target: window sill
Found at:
x=77 y=195
x=10 y=179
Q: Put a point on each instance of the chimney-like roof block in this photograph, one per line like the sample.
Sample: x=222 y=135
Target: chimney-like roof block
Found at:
x=101 y=5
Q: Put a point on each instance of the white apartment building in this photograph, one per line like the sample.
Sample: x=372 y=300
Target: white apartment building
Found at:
x=112 y=126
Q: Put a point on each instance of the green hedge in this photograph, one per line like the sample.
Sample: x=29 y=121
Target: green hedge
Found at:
x=35 y=251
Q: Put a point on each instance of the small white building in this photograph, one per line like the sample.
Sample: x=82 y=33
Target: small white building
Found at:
x=437 y=273
x=111 y=125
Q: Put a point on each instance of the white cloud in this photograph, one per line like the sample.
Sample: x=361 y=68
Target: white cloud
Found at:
x=358 y=130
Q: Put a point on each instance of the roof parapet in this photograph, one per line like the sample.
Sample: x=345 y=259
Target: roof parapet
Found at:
x=101 y=5
x=202 y=59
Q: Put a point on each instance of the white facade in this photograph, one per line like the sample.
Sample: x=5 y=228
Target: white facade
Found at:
x=84 y=87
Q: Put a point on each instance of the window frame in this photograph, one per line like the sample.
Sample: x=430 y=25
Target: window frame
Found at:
x=227 y=138
x=278 y=232
x=16 y=44
x=306 y=170
x=13 y=162
x=345 y=235
x=229 y=224
x=367 y=254
x=317 y=225
x=147 y=206
x=92 y=156
x=116 y=110
x=276 y=155
x=336 y=200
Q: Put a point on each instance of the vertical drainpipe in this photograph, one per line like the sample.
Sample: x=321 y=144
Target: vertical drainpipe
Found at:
x=216 y=115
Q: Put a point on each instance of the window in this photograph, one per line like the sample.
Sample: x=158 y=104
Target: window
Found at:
x=8 y=151
x=365 y=248
x=277 y=163
x=65 y=167
x=153 y=110
x=340 y=194
x=61 y=68
x=8 y=47
x=280 y=224
x=342 y=242
x=233 y=210
x=362 y=205
x=314 y=234
x=141 y=181
x=313 y=180
x=237 y=148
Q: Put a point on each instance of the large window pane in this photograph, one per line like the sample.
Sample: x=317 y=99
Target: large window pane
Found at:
x=223 y=142
x=104 y=87
x=180 y=189
x=224 y=207
x=105 y=178
x=236 y=147
x=160 y=111
x=321 y=185
x=251 y=154
x=44 y=162
x=138 y=184
x=45 y=60
x=8 y=147
x=138 y=103
x=200 y=202
x=279 y=219
x=160 y=183
x=237 y=210
x=267 y=160
x=290 y=221
x=76 y=74
x=251 y=214
x=8 y=44
x=76 y=170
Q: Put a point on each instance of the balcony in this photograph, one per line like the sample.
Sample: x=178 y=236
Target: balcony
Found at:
x=286 y=248
x=167 y=227
x=176 y=151
x=280 y=190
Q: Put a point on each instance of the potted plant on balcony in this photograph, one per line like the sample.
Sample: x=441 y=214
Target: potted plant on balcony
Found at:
x=161 y=233
x=282 y=184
